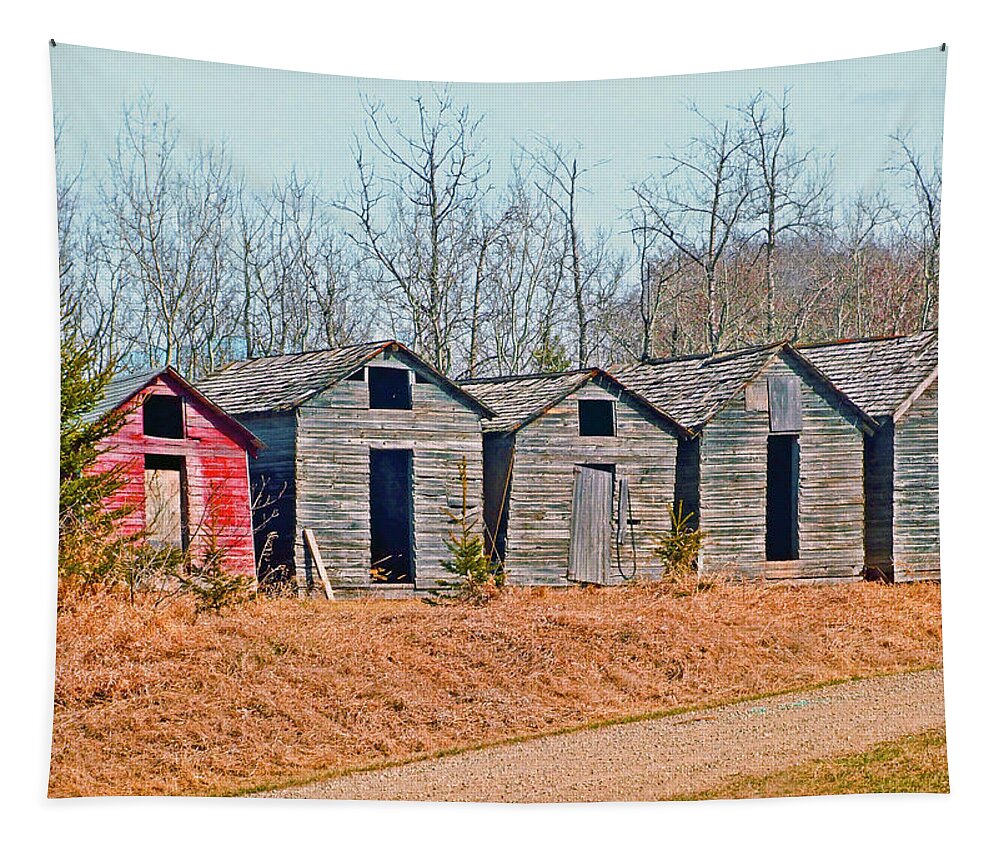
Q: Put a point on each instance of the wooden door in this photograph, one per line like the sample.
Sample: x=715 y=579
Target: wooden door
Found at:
x=164 y=506
x=590 y=525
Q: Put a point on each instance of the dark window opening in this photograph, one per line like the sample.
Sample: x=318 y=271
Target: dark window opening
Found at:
x=389 y=388
x=422 y=379
x=163 y=416
x=391 y=514
x=782 y=537
x=597 y=418
x=164 y=462
x=357 y=376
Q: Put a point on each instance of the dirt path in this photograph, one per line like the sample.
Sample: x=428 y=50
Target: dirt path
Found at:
x=663 y=758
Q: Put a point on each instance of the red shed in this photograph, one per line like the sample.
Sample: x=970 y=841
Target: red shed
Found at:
x=185 y=466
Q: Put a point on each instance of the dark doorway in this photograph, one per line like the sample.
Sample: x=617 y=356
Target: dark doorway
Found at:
x=782 y=537
x=391 y=512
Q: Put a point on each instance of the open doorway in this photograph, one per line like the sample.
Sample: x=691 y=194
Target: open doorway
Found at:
x=782 y=537
x=391 y=515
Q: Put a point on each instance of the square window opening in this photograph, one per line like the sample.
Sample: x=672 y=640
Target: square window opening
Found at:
x=389 y=388
x=163 y=416
x=597 y=418
x=782 y=535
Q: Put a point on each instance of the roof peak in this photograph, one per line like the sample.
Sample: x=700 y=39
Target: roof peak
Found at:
x=850 y=341
x=708 y=357
x=529 y=375
x=323 y=351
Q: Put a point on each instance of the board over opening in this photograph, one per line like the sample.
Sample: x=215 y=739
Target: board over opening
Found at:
x=166 y=503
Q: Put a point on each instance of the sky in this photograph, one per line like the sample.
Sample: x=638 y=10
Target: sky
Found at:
x=273 y=120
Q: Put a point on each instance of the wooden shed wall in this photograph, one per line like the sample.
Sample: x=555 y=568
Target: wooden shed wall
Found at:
x=215 y=465
x=334 y=433
x=916 y=524
x=272 y=486
x=733 y=495
x=541 y=488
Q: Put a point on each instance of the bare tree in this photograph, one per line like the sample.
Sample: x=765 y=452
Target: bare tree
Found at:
x=921 y=223
x=175 y=258
x=790 y=200
x=166 y=221
x=413 y=204
x=700 y=207
x=523 y=265
x=561 y=185
x=656 y=274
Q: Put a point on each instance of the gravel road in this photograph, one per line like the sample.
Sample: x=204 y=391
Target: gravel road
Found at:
x=663 y=758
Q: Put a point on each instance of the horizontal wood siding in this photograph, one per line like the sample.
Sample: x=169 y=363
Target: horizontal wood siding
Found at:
x=335 y=431
x=272 y=486
x=541 y=490
x=733 y=497
x=916 y=524
x=215 y=464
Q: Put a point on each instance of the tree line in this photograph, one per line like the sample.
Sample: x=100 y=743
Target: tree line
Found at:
x=736 y=238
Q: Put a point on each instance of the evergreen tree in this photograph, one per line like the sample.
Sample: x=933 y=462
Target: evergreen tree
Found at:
x=81 y=490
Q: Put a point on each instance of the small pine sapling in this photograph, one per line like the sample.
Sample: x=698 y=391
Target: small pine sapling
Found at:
x=478 y=579
x=678 y=548
x=208 y=582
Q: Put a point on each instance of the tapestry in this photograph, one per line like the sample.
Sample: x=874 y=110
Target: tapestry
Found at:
x=500 y=442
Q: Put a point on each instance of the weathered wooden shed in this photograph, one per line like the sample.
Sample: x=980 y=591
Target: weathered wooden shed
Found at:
x=774 y=469
x=579 y=475
x=363 y=451
x=895 y=381
x=183 y=461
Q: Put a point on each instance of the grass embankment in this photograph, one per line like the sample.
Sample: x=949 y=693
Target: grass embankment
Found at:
x=151 y=701
x=911 y=764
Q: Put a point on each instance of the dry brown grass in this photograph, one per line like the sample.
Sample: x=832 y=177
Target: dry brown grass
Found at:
x=153 y=702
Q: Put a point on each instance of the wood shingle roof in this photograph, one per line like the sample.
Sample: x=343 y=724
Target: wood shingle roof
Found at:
x=119 y=390
x=692 y=388
x=124 y=386
x=878 y=375
x=520 y=399
x=283 y=382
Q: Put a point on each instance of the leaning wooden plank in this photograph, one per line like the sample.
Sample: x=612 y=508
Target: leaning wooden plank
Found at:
x=317 y=559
